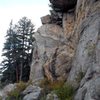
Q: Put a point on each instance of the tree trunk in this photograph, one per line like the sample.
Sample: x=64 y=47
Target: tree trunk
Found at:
x=21 y=72
x=17 y=79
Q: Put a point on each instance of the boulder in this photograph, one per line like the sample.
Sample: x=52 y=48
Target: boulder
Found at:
x=9 y=88
x=52 y=96
x=52 y=31
x=32 y=96
x=6 y=89
x=46 y=19
x=32 y=93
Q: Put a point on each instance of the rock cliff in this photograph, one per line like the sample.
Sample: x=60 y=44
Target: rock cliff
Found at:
x=67 y=47
x=66 y=55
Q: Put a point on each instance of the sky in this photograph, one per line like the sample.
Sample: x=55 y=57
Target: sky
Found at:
x=16 y=9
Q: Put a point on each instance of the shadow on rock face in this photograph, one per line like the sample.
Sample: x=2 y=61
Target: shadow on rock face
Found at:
x=63 y=5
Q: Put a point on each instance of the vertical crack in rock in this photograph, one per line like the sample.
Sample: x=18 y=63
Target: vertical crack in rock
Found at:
x=52 y=65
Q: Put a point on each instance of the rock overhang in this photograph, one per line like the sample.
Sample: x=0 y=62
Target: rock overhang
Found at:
x=63 y=5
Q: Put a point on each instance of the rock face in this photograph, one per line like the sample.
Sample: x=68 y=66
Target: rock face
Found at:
x=45 y=39
x=68 y=24
x=70 y=51
x=49 y=38
x=58 y=65
x=90 y=90
x=36 y=72
x=52 y=55
x=87 y=55
x=63 y=5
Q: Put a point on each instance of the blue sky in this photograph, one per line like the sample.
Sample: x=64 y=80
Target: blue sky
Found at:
x=16 y=9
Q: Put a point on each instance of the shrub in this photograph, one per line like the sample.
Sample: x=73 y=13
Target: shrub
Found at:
x=43 y=97
x=29 y=83
x=55 y=85
x=45 y=83
x=21 y=86
x=65 y=93
x=15 y=94
x=49 y=86
x=80 y=76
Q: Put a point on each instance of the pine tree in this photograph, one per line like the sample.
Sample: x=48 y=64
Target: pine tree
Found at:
x=18 y=51
x=25 y=34
x=9 y=54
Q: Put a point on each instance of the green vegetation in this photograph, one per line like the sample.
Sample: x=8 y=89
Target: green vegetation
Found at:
x=17 y=51
x=43 y=97
x=0 y=98
x=63 y=91
x=80 y=76
x=46 y=84
x=66 y=92
x=49 y=86
x=15 y=94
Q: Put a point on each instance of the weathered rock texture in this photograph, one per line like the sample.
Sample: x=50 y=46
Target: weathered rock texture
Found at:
x=32 y=93
x=51 y=53
x=70 y=51
x=87 y=55
x=68 y=24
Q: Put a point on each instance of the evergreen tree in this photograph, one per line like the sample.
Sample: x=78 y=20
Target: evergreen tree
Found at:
x=25 y=33
x=9 y=54
x=18 y=51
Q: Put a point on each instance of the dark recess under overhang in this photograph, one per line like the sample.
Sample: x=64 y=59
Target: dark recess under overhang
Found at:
x=63 y=5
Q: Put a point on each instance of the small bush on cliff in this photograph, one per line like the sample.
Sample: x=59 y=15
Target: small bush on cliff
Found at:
x=21 y=86
x=15 y=94
x=49 y=86
x=56 y=84
x=80 y=76
x=65 y=93
x=45 y=83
